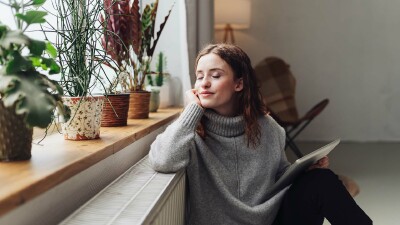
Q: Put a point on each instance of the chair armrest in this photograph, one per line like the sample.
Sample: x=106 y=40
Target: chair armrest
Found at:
x=314 y=111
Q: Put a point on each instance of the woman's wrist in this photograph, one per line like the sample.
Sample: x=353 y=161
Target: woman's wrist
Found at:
x=191 y=115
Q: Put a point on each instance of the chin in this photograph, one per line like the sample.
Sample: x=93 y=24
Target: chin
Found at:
x=206 y=104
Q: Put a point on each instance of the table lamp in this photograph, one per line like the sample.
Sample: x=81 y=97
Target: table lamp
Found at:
x=230 y=15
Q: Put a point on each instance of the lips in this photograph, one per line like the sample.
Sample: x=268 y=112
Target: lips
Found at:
x=206 y=93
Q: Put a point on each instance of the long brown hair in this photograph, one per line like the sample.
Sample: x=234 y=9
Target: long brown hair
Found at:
x=250 y=97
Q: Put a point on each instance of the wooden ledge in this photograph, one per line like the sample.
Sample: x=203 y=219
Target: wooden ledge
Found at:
x=56 y=159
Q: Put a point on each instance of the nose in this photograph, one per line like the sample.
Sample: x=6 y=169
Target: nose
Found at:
x=205 y=82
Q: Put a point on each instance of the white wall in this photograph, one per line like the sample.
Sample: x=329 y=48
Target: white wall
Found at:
x=345 y=50
x=173 y=42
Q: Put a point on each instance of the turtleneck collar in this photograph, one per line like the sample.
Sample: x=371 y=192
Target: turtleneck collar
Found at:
x=222 y=125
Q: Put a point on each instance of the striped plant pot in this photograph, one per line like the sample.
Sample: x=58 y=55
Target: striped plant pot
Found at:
x=15 y=136
x=115 y=110
x=139 y=105
x=85 y=120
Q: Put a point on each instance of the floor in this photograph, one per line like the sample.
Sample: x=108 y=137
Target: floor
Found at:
x=376 y=169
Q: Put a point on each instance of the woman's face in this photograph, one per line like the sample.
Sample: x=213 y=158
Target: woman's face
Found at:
x=216 y=85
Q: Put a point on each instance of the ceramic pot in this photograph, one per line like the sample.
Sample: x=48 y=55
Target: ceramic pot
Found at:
x=154 y=99
x=85 y=120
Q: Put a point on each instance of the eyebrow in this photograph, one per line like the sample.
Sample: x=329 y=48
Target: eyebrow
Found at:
x=212 y=70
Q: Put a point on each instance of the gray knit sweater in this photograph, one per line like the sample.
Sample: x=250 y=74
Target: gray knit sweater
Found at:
x=227 y=180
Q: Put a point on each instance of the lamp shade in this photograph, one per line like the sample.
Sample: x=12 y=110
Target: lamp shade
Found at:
x=236 y=13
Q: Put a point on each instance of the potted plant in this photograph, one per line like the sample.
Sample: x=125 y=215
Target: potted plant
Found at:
x=137 y=38
x=115 y=42
x=78 y=33
x=28 y=97
x=156 y=81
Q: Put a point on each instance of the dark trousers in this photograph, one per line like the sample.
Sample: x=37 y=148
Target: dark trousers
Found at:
x=319 y=194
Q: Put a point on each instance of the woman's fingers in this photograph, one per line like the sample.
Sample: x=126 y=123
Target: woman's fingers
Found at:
x=191 y=96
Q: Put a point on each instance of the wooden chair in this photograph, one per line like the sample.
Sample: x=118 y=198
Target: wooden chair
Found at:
x=277 y=85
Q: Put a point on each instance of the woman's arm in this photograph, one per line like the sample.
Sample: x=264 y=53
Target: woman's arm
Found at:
x=170 y=151
x=284 y=163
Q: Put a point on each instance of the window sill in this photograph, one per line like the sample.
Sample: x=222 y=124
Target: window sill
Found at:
x=57 y=160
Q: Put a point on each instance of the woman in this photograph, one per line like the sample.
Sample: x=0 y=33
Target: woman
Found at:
x=232 y=151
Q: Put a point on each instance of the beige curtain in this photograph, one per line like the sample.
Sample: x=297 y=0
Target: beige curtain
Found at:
x=200 y=28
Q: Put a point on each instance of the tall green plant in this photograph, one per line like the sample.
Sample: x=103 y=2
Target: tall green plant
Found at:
x=22 y=61
x=78 y=34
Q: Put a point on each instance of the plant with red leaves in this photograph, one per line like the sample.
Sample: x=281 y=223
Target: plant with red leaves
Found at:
x=130 y=39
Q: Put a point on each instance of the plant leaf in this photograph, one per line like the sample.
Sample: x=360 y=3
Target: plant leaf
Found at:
x=36 y=48
x=51 y=50
x=150 y=51
x=18 y=63
x=32 y=16
x=136 y=27
x=50 y=63
x=28 y=92
x=38 y=2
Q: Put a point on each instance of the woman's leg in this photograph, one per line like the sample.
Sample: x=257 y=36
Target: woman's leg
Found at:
x=319 y=194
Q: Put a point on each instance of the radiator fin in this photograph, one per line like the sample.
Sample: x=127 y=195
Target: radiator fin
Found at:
x=139 y=196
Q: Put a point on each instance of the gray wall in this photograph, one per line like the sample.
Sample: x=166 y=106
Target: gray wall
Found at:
x=345 y=50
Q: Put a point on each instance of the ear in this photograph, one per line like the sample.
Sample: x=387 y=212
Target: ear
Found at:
x=239 y=84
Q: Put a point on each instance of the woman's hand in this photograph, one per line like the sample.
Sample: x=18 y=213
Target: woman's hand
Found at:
x=192 y=97
x=322 y=163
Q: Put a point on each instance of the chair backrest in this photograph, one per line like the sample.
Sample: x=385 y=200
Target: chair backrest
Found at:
x=277 y=85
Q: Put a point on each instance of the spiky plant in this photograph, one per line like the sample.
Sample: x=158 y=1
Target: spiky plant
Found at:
x=78 y=40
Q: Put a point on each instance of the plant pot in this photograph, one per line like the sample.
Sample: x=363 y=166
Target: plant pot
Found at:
x=139 y=103
x=15 y=136
x=85 y=120
x=166 y=99
x=154 y=100
x=115 y=110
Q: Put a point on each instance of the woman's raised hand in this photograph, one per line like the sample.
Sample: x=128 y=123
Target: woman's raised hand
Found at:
x=191 y=97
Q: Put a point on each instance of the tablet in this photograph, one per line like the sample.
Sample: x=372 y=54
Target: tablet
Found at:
x=299 y=166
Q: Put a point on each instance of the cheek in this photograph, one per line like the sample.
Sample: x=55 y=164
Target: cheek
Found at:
x=196 y=85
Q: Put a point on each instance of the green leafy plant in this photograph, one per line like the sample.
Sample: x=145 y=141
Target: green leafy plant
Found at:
x=161 y=65
x=78 y=34
x=130 y=38
x=23 y=61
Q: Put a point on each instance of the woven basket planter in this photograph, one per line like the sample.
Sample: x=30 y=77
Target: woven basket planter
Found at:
x=115 y=110
x=85 y=120
x=139 y=104
x=15 y=136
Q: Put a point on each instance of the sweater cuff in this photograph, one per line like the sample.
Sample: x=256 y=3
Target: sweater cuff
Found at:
x=191 y=115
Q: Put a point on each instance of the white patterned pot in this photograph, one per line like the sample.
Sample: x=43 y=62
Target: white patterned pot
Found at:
x=85 y=120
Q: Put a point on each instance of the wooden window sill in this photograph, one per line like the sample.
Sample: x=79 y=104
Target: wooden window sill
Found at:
x=57 y=160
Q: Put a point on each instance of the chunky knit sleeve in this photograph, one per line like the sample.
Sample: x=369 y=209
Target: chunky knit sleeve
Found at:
x=170 y=151
x=283 y=163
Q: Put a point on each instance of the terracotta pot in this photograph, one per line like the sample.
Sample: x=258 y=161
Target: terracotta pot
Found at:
x=115 y=110
x=139 y=103
x=85 y=120
x=15 y=136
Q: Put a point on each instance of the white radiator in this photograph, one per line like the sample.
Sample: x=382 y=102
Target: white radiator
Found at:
x=139 y=196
